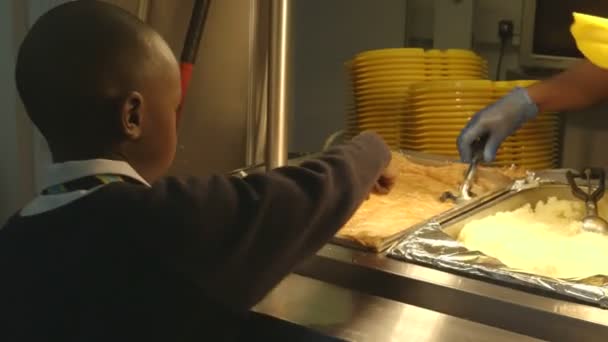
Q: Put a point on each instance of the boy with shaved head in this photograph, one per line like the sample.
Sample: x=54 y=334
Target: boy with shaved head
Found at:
x=112 y=250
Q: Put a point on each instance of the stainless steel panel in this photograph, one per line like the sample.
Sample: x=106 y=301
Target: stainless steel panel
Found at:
x=278 y=79
x=257 y=101
x=455 y=295
x=212 y=133
x=350 y=315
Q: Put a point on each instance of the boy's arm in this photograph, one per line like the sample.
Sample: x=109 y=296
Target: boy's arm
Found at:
x=238 y=238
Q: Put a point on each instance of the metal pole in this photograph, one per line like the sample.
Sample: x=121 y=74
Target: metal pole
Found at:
x=278 y=92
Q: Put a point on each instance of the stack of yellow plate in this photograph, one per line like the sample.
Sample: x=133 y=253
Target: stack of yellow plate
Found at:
x=536 y=144
x=380 y=81
x=439 y=110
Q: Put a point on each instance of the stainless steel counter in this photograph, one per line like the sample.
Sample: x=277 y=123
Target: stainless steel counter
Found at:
x=354 y=316
x=450 y=294
x=363 y=296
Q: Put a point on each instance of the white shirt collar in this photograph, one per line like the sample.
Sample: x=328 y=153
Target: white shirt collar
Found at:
x=59 y=173
x=64 y=172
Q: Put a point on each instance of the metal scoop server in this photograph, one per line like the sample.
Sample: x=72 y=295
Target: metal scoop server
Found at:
x=592 y=222
x=464 y=192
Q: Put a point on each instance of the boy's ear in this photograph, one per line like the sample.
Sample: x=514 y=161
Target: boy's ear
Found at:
x=132 y=115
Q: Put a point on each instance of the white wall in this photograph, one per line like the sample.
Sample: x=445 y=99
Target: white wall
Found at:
x=16 y=180
x=326 y=34
x=486 y=15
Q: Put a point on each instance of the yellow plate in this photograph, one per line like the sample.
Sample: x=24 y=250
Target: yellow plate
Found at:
x=380 y=114
x=392 y=120
x=525 y=135
x=452 y=95
x=370 y=107
x=388 y=86
x=375 y=117
x=382 y=110
x=398 y=64
x=462 y=73
x=444 y=135
x=419 y=73
x=387 y=79
x=450 y=86
x=396 y=119
x=391 y=52
x=540 y=126
x=390 y=66
x=459 y=78
x=393 y=96
x=445 y=77
x=440 y=116
x=415 y=122
x=456 y=68
x=387 y=63
x=384 y=127
x=402 y=64
x=504 y=147
x=391 y=73
x=449 y=102
x=448 y=108
x=388 y=91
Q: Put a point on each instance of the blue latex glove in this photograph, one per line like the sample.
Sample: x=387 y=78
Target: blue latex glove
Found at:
x=495 y=123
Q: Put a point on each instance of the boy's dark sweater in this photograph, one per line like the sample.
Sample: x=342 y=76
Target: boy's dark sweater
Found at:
x=180 y=261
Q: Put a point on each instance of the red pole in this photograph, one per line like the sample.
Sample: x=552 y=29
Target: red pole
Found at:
x=191 y=45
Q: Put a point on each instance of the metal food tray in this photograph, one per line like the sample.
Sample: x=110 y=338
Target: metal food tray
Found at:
x=435 y=244
x=430 y=160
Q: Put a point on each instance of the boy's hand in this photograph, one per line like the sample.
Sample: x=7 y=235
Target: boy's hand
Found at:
x=386 y=180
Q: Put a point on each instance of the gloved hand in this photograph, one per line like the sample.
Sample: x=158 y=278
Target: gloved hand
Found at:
x=495 y=123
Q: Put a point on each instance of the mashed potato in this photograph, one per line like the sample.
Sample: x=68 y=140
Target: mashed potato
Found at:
x=545 y=240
